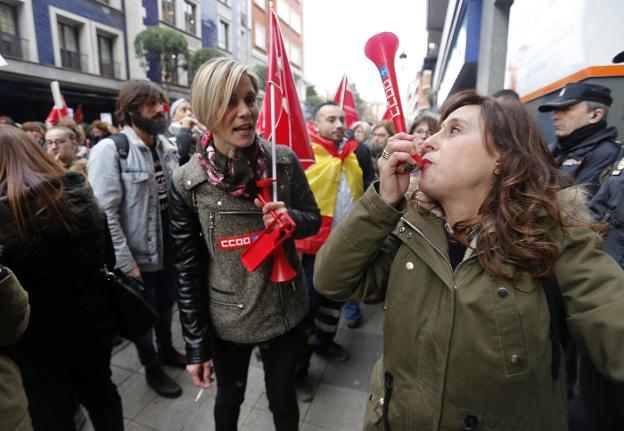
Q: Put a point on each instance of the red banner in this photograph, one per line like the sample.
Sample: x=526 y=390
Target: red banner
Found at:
x=344 y=98
x=290 y=128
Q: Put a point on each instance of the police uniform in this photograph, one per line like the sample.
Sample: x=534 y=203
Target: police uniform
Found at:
x=588 y=153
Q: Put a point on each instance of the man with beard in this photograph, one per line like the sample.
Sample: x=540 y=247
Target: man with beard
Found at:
x=131 y=174
x=585 y=148
x=341 y=173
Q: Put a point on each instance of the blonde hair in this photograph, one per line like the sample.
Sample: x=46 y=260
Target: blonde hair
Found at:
x=213 y=85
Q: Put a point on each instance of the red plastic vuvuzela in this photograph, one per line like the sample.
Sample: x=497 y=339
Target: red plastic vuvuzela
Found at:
x=381 y=50
x=270 y=241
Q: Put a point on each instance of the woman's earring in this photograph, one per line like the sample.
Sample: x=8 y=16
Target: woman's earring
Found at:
x=496 y=171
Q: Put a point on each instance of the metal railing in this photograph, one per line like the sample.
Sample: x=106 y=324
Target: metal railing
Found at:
x=110 y=69
x=13 y=46
x=74 y=60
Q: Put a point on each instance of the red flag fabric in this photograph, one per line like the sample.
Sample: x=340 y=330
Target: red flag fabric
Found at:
x=59 y=110
x=344 y=98
x=387 y=115
x=56 y=114
x=78 y=115
x=290 y=128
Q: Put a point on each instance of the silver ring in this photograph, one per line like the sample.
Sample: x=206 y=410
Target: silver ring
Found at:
x=385 y=154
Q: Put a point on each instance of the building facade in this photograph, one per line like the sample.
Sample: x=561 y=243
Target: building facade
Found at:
x=88 y=46
x=81 y=44
x=290 y=16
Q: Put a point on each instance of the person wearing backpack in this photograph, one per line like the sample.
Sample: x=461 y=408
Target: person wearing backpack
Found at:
x=131 y=175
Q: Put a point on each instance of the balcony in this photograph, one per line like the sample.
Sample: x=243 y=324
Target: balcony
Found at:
x=13 y=46
x=110 y=69
x=74 y=60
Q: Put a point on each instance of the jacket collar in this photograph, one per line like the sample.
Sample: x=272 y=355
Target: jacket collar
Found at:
x=196 y=174
x=428 y=216
x=582 y=148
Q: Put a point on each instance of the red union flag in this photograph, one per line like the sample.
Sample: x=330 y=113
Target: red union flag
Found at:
x=59 y=110
x=344 y=99
x=387 y=115
x=290 y=127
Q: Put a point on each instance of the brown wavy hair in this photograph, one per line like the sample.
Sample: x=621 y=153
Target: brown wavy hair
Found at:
x=28 y=174
x=519 y=213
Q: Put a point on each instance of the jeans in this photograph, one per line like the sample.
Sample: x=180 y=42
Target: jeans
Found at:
x=160 y=293
x=54 y=385
x=352 y=312
x=231 y=362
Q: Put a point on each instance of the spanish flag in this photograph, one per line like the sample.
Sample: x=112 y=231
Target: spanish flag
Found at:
x=324 y=178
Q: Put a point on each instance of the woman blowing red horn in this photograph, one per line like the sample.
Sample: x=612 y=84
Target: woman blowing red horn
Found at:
x=469 y=261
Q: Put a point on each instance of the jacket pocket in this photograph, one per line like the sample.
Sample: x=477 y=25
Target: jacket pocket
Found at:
x=135 y=185
x=135 y=176
x=230 y=304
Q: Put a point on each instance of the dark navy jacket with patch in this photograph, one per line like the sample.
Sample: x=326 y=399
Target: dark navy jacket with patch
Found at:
x=589 y=161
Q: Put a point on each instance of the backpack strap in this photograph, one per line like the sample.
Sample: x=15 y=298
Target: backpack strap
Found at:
x=122 y=144
x=558 y=328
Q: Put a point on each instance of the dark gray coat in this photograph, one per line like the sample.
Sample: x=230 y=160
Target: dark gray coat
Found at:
x=216 y=295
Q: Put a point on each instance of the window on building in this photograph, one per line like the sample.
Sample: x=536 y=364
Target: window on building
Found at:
x=9 y=35
x=168 y=11
x=69 y=42
x=295 y=21
x=261 y=4
x=171 y=70
x=189 y=17
x=295 y=55
x=283 y=10
x=224 y=35
x=106 y=57
x=244 y=44
x=260 y=36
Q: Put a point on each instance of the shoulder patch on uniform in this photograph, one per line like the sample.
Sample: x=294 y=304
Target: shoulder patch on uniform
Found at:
x=571 y=162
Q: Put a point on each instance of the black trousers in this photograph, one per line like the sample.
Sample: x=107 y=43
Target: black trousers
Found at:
x=231 y=362
x=55 y=384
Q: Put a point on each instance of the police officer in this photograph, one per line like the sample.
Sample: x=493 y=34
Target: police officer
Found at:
x=603 y=400
x=586 y=148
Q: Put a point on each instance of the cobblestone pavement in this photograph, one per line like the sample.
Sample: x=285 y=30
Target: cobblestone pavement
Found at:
x=341 y=388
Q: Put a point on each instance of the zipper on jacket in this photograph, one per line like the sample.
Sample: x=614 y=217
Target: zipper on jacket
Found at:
x=440 y=252
x=242 y=212
x=450 y=338
x=228 y=304
x=282 y=306
x=388 y=387
x=211 y=226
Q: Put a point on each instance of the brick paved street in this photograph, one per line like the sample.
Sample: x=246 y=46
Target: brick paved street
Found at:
x=341 y=388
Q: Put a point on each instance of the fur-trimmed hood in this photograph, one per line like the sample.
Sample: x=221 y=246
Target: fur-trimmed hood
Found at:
x=573 y=202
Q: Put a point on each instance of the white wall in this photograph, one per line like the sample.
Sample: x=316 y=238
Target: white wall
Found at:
x=549 y=40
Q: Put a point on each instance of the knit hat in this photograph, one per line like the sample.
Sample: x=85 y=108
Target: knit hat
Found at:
x=175 y=106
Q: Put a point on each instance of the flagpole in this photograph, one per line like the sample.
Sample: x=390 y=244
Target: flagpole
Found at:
x=273 y=147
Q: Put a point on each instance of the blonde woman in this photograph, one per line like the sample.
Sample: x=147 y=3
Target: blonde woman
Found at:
x=225 y=310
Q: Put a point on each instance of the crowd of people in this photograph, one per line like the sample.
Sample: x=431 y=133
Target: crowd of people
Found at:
x=503 y=308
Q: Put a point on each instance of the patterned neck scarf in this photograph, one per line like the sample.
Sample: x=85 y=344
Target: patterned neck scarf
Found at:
x=237 y=176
